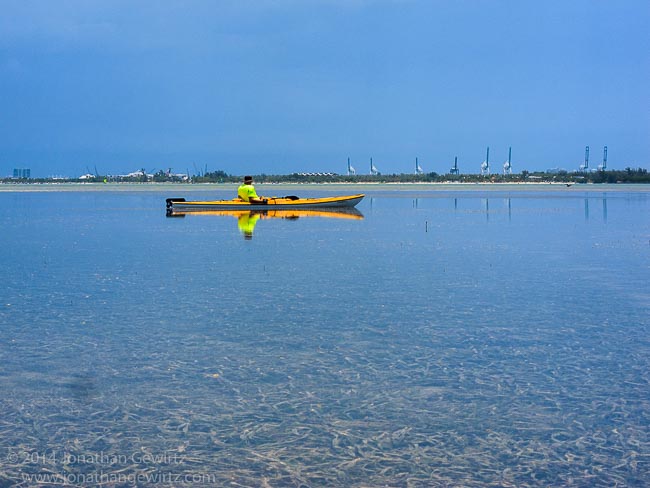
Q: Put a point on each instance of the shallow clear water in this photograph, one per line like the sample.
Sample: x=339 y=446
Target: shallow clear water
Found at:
x=456 y=337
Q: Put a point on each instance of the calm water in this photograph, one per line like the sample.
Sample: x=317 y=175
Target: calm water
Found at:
x=460 y=337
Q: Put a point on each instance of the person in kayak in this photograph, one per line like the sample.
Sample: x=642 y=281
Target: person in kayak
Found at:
x=246 y=192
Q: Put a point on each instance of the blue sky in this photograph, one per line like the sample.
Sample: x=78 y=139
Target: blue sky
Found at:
x=282 y=86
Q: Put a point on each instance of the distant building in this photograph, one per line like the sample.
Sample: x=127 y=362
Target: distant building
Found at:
x=22 y=173
x=317 y=174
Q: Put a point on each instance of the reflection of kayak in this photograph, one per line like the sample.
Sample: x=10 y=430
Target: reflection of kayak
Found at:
x=272 y=213
x=285 y=203
x=247 y=219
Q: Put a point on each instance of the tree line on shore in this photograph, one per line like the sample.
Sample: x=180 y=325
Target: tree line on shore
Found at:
x=628 y=175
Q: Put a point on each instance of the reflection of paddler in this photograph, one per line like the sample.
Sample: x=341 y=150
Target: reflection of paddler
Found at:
x=246 y=223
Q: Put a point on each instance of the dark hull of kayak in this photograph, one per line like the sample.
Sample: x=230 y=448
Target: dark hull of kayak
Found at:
x=350 y=213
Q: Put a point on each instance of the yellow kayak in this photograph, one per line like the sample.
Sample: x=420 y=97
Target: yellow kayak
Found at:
x=273 y=203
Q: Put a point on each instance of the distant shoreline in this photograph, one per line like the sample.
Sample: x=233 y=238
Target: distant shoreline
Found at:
x=196 y=187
